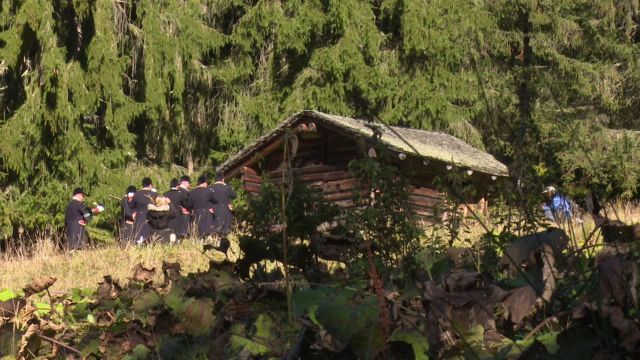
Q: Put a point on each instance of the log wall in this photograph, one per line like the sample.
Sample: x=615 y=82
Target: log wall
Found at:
x=338 y=187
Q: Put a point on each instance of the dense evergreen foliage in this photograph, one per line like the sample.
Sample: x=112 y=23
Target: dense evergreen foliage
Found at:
x=91 y=89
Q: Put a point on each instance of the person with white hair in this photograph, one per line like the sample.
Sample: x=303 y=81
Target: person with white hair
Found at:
x=127 y=220
x=557 y=207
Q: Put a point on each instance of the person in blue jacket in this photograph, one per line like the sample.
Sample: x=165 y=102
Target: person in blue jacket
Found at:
x=557 y=207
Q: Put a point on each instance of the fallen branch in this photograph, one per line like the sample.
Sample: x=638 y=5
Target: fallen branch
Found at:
x=542 y=323
x=54 y=341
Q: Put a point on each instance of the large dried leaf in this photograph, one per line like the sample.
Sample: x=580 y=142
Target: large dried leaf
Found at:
x=39 y=285
x=549 y=272
x=524 y=248
x=627 y=328
x=472 y=304
x=142 y=274
x=611 y=280
x=108 y=288
x=519 y=303
x=461 y=280
x=171 y=271
x=28 y=341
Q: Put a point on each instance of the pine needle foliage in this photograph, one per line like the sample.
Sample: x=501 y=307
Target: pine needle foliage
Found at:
x=88 y=88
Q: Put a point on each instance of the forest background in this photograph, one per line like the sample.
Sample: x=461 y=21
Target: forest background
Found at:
x=99 y=93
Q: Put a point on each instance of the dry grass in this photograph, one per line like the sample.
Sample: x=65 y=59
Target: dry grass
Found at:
x=84 y=269
x=579 y=230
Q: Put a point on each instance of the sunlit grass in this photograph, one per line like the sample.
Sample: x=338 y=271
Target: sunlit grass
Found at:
x=85 y=268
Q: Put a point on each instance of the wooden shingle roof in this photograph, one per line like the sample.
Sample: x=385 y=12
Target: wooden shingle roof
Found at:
x=430 y=145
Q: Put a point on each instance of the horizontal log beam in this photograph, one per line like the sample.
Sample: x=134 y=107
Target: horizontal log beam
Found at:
x=422 y=191
x=339 y=185
x=321 y=176
x=248 y=171
x=339 y=196
x=252 y=178
x=251 y=187
x=424 y=201
x=310 y=169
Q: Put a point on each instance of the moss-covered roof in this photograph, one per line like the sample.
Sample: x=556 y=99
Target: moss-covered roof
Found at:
x=430 y=145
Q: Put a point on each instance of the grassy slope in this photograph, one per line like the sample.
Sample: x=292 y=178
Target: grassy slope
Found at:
x=84 y=269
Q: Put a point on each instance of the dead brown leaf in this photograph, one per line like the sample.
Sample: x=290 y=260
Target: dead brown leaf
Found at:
x=524 y=248
x=457 y=281
x=27 y=339
x=459 y=256
x=105 y=318
x=108 y=288
x=171 y=271
x=549 y=272
x=459 y=300
x=519 y=303
x=46 y=325
x=627 y=329
x=493 y=338
x=142 y=274
x=611 y=280
x=39 y=285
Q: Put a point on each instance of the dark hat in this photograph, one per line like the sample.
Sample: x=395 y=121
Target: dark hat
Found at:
x=77 y=191
x=202 y=179
x=219 y=176
x=185 y=178
x=146 y=182
x=174 y=183
x=131 y=189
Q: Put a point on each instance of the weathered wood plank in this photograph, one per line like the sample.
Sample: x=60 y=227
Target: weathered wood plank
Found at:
x=423 y=210
x=422 y=191
x=252 y=179
x=248 y=171
x=424 y=201
x=345 y=204
x=310 y=169
x=252 y=187
x=339 y=185
x=344 y=195
x=320 y=176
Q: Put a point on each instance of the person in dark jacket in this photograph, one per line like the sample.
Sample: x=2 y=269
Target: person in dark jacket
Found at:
x=179 y=196
x=76 y=217
x=222 y=194
x=159 y=217
x=139 y=205
x=202 y=201
x=126 y=225
x=187 y=204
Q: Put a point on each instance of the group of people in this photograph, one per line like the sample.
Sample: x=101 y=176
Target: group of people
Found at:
x=148 y=215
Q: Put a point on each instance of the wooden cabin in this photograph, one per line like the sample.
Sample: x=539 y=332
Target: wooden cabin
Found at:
x=322 y=145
